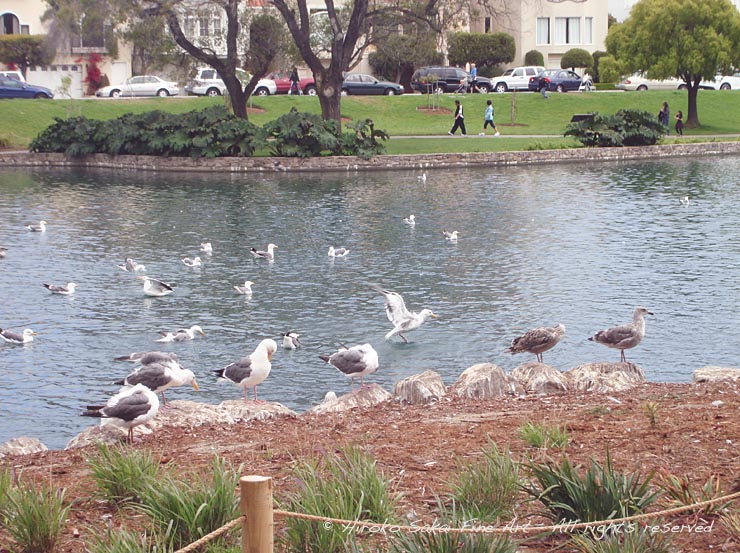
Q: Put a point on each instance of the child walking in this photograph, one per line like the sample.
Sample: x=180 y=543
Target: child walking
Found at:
x=488 y=119
x=679 y=123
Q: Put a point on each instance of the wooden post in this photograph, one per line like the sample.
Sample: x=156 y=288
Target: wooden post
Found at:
x=256 y=504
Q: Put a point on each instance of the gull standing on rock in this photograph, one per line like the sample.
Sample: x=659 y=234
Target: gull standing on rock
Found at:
x=291 y=340
x=128 y=408
x=537 y=340
x=17 y=337
x=181 y=335
x=354 y=362
x=403 y=320
x=154 y=287
x=65 y=290
x=625 y=336
x=41 y=227
x=159 y=374
x=251 y=370
x=269 y=254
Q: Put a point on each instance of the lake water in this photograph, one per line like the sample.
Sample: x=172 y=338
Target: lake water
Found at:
x=581 y=245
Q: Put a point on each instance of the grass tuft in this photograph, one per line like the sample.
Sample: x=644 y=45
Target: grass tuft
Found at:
x=121 y=471
x=651 y=409
x=35 y=518
x=543 y=435
x=679 y=492
x=731 y=523
x=630 y=539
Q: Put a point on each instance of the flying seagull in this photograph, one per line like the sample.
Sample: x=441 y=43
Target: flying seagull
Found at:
x=354 y=362
x=537 y=340
x=128 y=408
x=625 y=336
x=251 y=370
x=403 y=320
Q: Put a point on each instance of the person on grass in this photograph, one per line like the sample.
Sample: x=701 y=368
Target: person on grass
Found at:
x=488 y=119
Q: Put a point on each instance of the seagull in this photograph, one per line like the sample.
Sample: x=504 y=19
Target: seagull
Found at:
x=625 y=336
x=41 y=227
x=269 y=254
x=67 y=290
x=339 y=252
x=181 y=335
x=422 y=177
x=206 y=248
x=3 y=251
x=17 y=337
x=128 y=408
x=537 y=340
x=410 y=220
x=354 y=362
x=131 y=266
x=291 y=340
x=246 y=289
x=403 y=320
x=194 y=262
x=154 y=287
x=158 y=375
x=147 y=357
x=685 y=201
x=251 y=370
x=451 y=236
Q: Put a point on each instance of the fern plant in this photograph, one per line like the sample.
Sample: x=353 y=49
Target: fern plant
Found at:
x=624 y=128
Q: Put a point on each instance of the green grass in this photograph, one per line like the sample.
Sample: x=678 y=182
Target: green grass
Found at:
x=399 y=116
x=35 y=518
x=543 y=435
x=121 y=471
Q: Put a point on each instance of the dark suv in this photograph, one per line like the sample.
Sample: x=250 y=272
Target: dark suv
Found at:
x=446 y=79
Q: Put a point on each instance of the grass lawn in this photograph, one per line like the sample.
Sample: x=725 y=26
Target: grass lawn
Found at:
x=519 y=113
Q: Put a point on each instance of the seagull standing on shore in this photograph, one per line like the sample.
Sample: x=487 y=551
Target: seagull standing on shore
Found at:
x=246 y=289
x=41 y=227
x=65 y=290
x=403 y=320
x=131 y=266
x=158 y=375
x=154 y=287
x=269 y=254
x=251 y=370
x=354 y=362
x=17 y=337
x=625 y=336
x=128 y=408
x=181 y=335
x=537 y=340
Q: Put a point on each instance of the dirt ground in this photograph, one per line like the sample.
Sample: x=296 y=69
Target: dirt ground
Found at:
x=420 y=447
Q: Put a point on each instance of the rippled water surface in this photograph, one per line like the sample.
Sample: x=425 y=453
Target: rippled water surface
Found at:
x=581 y=245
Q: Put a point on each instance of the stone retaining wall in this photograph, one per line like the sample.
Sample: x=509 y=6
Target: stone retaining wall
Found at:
x=350 y=163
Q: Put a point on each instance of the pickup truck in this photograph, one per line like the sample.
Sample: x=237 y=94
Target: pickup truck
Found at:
x=516 y=78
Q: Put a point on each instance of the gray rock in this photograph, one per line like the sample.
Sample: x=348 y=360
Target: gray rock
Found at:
x=715 y=374
x=541 y=379
x=485 y=380
x=21 y=446
x=365 y=397
x=420 y=388
x=105 y=432
x=240 y=410
x=605 y=377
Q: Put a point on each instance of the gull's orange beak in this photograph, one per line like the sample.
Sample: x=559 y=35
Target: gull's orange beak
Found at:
x=195 y=385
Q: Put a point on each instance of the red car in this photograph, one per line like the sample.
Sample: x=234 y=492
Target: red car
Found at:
x=282 y=80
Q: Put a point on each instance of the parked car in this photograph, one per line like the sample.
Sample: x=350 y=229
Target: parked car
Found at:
x=557 y=80
x=282 y=82
x=207 y=82
x=141 y=85
x=639 y=81
x=13 y=74
x=446 y=79
x=722 y=82
x=360 y=83
x=516 y=78
x=13 y=88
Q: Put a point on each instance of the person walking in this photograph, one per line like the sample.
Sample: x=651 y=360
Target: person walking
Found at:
x=488 y=119
x=294 y=82
x=542 y=87
x=459 y=120
x=473 y=78
x=679 y=123
x=664 y=116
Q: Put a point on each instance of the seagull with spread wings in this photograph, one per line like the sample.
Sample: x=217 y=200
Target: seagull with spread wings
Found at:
x=403 y=320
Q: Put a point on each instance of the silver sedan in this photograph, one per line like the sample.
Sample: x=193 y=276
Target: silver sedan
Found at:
x=142 y=85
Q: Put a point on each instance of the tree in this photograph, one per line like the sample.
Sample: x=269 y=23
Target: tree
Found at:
x=687 y=39
x=576 y=57
x=534 y=57
x=152 y=46
x=484 y=49
x=24 y=51
x=398 y=57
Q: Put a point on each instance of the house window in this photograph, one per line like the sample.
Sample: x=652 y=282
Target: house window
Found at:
x=588 y=30
x=203 y=26
x=217 y=31
x=189 y=26
x=567 y=30
x=25 y=29
x=10 y=24
x=487 y=25
x=543 y=30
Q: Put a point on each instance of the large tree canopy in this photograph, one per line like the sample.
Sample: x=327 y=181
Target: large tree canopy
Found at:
x=688 y=39
x=25 y=51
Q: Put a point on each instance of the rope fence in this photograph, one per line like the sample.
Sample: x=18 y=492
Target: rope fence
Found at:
x=257 y=520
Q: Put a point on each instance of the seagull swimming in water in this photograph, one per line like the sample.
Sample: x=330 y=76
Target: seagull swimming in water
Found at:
x=192 y=262
x=685 y=201
x=246 y=289
x=291 y=340
x=147 y=357
x=338 y=252
x=410 y=220
x=3 y=251
x=537 y=340
x=354 y=362
x=206 y=248
x=131 y=266
x=41 y=227
x=181 y=335
x=128 y=408
x=65 y=290
x=422 y=177
x=17 y=337
x=403 y=320
x=269 y=254
x=154 y=287
x=251 y=370
x=451 y=236
x=625 y=336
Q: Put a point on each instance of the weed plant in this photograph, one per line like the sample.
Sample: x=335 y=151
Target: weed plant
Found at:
x=651 y=408
x=121 y=471
x=35 y=518
x=636 y=540
x=731 y=523
x=679 y=492
x=188 y=510
x=347 y=486
x=441 y=541
x=122 y=540
x=543 y=435
x=600 y=494
x=486 y=490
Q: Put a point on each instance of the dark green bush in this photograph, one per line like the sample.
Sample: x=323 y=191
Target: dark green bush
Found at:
x=362 y=140
x=297 y=134
x=624 y=128
x=534 y=57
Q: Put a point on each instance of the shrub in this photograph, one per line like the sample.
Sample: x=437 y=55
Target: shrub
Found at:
x=121 y=471
x=610 y=69
x=362 y=140
x=600 y=494
x=534 y=57
x=297 y=134
x=35 y=519
x=486 y=490
x=577 y=57
x=346 y=486
x=731 y=523
x=596 y=68
x=624 y=128
x=543 y=435
x=680 y=492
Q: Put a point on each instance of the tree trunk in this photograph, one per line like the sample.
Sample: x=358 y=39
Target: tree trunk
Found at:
x=237 y=94
x=692 y=115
